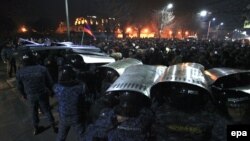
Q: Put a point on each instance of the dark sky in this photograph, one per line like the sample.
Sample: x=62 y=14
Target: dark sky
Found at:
x=32 y=9
x=28 y=10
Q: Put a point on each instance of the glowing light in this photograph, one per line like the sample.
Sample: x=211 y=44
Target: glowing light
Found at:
x=179 y=33
x=96 y=23
x=145 y=30
x=170 y=6
x=119 y=36
x=24 y=29
x=186 y=33
x=118 y=30
x=129 y=30
x=203 y=13
x=170 y=32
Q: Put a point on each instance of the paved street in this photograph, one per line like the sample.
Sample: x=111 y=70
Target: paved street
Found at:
x=15 y=120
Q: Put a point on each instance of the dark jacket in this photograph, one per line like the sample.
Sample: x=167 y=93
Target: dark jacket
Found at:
x=71 y=99
x=34 y=81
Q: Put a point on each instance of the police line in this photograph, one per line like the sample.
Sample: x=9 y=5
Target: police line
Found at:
x=189 y=76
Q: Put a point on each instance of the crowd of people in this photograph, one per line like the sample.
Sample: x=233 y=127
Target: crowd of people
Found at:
x=127 y=115
x=171 y=51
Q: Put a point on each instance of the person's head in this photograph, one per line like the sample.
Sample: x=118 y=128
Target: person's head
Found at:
x=111 y=75
x=66 y=75
x=182 y=96
x=110 y=100
x=187 y=99
x=27 y=57
x=9 y=43
x=237 y=105
x=77 y=62
x=131 y=104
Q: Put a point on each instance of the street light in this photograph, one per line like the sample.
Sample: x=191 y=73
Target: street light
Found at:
x=209 y=25
x=205 y=13
x=220 y=25
x=170 y=6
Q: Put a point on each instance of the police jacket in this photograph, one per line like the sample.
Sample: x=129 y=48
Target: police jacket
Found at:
x=71 y=99
x=107 y=128
x=34 y=81
x=133 y=129
x=175 y=125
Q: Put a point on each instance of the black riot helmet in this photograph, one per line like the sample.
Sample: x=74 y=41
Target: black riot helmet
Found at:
x=27 y=57
x=76 y=61
x=237 y=104
x=111 y=75
x=130 y=104
x=66 y=75
x=186 y=97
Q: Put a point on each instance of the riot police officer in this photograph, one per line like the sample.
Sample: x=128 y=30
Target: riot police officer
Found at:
x=70 y=94
x=8 y=57
x=128 y=121
x=109 y=78
x=185 y=115
x=104 y=102
x=237 y=104
x=34 y=83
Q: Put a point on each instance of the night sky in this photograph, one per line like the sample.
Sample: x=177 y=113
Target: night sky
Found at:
x=32 y=9
x=28 y=10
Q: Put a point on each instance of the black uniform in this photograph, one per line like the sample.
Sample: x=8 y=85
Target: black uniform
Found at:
x=71 y=96
x=173 y=124
x=71 y=108
x=8 y=57
x=34 y=83
x=130 y=120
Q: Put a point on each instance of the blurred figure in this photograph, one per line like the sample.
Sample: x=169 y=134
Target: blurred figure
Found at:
x=34 y=83
x=128 y=121
x=104 y=102
x=237 y=106
x=70 y=94
x=109 y=79
x=8 y=57
x=51 y=64
x=185 y=116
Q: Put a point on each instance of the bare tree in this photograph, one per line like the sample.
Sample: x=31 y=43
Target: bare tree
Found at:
x=163 y=18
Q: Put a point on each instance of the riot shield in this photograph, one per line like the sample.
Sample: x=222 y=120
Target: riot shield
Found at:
x=138 y=78
x=182 y=80
x=121 y=65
